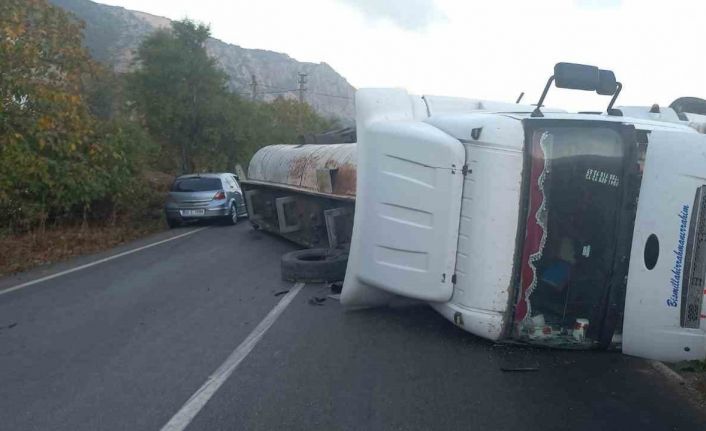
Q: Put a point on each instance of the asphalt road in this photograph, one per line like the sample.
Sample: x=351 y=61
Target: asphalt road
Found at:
x=124 y=344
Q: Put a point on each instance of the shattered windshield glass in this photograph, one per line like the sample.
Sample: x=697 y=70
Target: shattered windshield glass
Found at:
x=574 y=202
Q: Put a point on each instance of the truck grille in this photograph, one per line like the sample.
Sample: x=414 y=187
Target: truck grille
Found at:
x=695 y=264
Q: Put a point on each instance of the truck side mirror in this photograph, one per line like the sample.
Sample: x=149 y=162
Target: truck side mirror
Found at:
x=576 y=76
x=581 y=77
x=607 y=85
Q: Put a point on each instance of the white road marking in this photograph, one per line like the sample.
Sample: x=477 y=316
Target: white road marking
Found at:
x=198 y=400
x=97 y=262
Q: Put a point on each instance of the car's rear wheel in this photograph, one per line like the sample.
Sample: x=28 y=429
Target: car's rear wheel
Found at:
x=233 y=217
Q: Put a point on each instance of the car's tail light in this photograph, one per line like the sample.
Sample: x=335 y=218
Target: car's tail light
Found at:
x=219 y=196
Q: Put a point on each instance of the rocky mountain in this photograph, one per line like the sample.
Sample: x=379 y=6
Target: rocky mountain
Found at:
x=113 y=33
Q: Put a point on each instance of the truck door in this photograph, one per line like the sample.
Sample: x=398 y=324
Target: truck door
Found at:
x=663 y=305
x=408 y=204
x=576 y=194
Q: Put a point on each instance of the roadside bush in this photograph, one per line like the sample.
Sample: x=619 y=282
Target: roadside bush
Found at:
x=65 y=153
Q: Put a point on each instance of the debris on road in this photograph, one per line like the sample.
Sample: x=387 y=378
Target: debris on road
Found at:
x=282 y=292
x=336 y=287
x=10 y=326
x=317 y=300
x=519 y=369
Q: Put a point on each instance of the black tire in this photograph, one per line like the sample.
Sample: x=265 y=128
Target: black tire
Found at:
x=316 y=265
x=173 y=223
x=232 y=218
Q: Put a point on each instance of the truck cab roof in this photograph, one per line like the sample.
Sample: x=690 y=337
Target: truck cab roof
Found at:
x=459 y=116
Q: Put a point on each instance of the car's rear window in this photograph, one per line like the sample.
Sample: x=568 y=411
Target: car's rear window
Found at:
x=196 y=184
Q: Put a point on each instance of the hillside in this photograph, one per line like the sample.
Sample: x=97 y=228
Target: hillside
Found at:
x=113 y=33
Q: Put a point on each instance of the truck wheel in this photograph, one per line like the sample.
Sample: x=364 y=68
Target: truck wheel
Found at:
x=316 y=265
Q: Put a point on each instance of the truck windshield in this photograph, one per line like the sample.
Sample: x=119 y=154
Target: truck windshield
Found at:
x=575 y=193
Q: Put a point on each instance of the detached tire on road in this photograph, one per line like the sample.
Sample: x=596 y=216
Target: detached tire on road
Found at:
x=316 y=265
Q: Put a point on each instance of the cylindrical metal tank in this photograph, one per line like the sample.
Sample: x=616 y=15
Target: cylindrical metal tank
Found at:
x=329 y=169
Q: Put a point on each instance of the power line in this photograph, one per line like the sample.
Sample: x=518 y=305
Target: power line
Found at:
x=273 y=87
x=255 y=86
x=277 y=92
x=332 y=95
x=249 y=93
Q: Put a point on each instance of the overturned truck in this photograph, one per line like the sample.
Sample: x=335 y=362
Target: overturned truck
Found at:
x=515 y=222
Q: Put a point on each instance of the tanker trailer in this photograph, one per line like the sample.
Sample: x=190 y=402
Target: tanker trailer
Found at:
x=304 y=193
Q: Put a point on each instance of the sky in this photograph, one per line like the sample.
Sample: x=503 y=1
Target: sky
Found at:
x=488 y=49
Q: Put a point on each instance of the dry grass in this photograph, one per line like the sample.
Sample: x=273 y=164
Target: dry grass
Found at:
x=694 y=372
x=22 y=252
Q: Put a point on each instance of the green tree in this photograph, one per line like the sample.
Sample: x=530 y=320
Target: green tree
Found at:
x=290 y=118
x=182 y=97
x=45 y=127
x=58 y=154
x=177 y=89
x=246 y=126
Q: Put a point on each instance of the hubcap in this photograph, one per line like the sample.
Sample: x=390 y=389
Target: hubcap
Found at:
x=233 y=213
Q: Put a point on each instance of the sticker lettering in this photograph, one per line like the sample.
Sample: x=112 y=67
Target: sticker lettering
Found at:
x=674 y=281
x=601 y=177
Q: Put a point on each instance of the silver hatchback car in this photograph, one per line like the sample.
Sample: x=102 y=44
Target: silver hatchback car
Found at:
x=205 y=196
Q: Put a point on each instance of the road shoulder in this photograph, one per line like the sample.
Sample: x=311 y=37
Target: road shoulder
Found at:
x=9 y=281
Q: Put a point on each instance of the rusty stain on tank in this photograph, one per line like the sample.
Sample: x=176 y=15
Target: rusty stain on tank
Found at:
x=345 y=180
x=296 y=171
x=297 y=165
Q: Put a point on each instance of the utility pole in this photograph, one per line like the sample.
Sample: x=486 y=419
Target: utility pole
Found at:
x=302 y=88
x=253 y=87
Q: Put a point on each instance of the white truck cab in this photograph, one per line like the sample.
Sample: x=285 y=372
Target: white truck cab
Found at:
x=515 y=223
